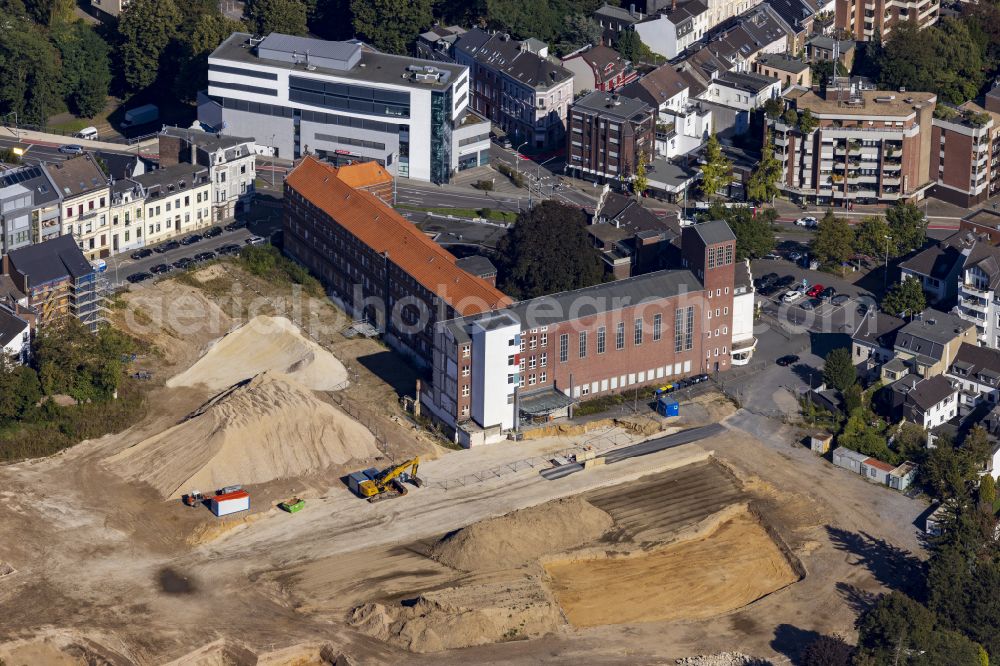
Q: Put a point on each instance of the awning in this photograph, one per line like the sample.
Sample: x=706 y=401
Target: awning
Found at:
x=543 y=401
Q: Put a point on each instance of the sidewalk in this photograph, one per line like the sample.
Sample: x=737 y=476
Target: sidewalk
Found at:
x=55 y=140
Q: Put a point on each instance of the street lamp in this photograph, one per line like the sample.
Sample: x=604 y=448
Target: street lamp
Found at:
x=272 y=160
x=885 y=272
x=538 y=180
x=517 y=157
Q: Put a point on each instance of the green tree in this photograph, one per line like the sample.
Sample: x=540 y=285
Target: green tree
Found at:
x=807 y=122
x=30 y=79
x=632 y=48
x=754 y=230
x=86 y=69
x=391 y=25
x=773 y=108
x=640 y=181
x=838 y=369
x=717 y=172
x=827 y=651
x=284 y=16
x=834 y=241
x=547 y=251
x=205 y=32
x=945 y=59
x=50 y=12
x=911 y=442
x=894 y=625
x=853 y=398
x=870 y=236
x=859 y=435
x=19 y=391
x=580 y=30
x=987 y=491
x=762 y=186
x=907 y=226
x=146 y=28
x=950 y=471
x=906 y=296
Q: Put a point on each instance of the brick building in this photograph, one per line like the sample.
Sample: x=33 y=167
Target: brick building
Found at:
x=606 y=135
x=965 y=151
x=862 y=20
x=598 y=68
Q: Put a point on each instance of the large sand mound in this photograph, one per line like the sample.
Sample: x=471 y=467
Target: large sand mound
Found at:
x=269 y=428
x=262 y=344
x=523 y=536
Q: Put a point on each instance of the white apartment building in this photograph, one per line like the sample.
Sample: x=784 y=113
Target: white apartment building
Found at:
x=341 y=102
x=979 y=293
x=127 y=202
x=744 y=298
x=975 y=372
x=85 y=195
x=683 y=124
x=178 y=201
x=672 y=32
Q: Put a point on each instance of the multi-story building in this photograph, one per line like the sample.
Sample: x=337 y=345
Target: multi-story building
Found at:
x=790 y=71
x=231 y=162
x=975 y=372
x=731 y=96
x=613 y=20
x=178 y=200
x=607 y=134
x=867 y=147
x=85 y=194
x=672 y=32
x=683 y=123
x=938 y=267
x=380 y=266
x=516 y=86
x=928 y=344
x=822 y=48
x=863 y=20
x=340 y=101
x=29 y=207
x=756 y=31
x=57 y=280
x=598 y=68
x=125 y=211
x=965 y=154
x=978 y=291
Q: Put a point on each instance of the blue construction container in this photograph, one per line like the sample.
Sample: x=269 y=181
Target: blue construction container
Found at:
x=668 y=407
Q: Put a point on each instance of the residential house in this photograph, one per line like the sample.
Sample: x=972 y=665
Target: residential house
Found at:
x=599 y=68
x=755 y=33
x=613 y=19
x=57 y=280
x=975 y=372
x=821 y=48
x=631 y=238
x=993 y=460
x=965 y=155
x=438 y=42
x=874 y=342
x=929 y=343
x=673 y=31
x=607 y=135
x=721 y=11
x=85 y=193
x=864 y=22
x=230 y=160
x=127 y=202
x=790 y=71
x=683 y=124
x=869 y=146
x=178 y=201
x=797 y=17
x=978 y=289
x=939 y=266
x=29 y=207
x=515 y=86
x=930 y=402
x=15 y=335
x=118 y=166
x=731 y=97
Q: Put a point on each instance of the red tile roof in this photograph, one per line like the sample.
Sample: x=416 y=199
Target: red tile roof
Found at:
x=364 y=174
x=878 y=464
x=381 y=228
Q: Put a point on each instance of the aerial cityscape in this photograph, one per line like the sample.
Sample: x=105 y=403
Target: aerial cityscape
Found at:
x=350 y=332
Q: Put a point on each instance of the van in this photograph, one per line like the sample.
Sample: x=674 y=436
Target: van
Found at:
x=89 y=133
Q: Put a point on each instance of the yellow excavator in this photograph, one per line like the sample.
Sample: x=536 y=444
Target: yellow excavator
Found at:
x=386 y=484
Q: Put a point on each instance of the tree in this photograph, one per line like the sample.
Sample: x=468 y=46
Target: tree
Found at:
x=19 y=391
x=906 y=296
x=838 y=369
x=762 y=186
x=827 y=651
x=146 y=27
x=391 y=25
x=717 y=172
x=29 y=72
x=807 y=122
x=894 y=624
x=853 y=398
x=949 y=471
x=640 y=181
x=907 y=226
x=49 y=12
x=773 y=108
x=548 y=250
x=834 y=241
x=86 y=69
x=284 y=16
x=859 y=435
x=632 y=48
x=754 y=230
x=987 y=492
x=579 y=31
x=944 y=59
x=205 y=33
x=870 y=236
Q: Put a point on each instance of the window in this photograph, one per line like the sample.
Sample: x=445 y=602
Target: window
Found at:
x=601 y=334
x=637 y=332
x=531 y=380
x=620 y=336
x=465 y=390
x=679 y=330
x=544 y=360
x=545 y=340
x=466 y=350
x=532 y=363
x=689 y=332
x=657 y=327
x=543 y=377
x=583 y=344
x=563 y=348
x=465 y=371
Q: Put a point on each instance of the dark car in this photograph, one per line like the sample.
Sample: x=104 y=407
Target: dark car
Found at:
x=183 y=263
x=828 y=293
x=840 y=299
x=787 y=360
x=233 y=226
x=190 y=240
x=204 y=256
x=139 y=277
x=231 y=248
x=213 y=232
x=862 y=309
x=167 y=247
x=142 y=254
x=809 y=304
x=785 y=281
x=160 y=268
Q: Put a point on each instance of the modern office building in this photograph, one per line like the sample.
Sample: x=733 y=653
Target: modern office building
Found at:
x=297 y=96
x=607 y=134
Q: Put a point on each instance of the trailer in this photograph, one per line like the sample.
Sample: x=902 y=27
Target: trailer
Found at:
x=229 y=503
x=141 y=115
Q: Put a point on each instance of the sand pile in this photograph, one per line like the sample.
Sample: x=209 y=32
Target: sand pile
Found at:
x=262 y=344
x=522 y=536
x=269 y=428
x=477 y=613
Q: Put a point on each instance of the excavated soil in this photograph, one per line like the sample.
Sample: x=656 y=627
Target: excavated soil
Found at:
x=264 y=343
x=720 y=571
x=269 y=428
x=522 y=536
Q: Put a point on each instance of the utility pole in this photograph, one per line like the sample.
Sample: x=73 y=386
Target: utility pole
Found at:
x=272 y=160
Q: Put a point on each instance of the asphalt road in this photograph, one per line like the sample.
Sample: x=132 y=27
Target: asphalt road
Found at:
x=36 y=153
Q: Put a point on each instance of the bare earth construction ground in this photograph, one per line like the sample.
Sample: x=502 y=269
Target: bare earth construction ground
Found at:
x=645 y=560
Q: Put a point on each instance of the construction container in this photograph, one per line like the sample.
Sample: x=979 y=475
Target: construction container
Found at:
x=293 y=505
x=668 y=407
x=355 y=479
x=223 y=505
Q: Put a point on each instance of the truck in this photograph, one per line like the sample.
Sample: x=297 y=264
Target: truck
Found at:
x=141 y=115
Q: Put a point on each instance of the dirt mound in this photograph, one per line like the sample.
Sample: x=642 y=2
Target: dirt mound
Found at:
x=269 y=428
x=477 y=613
x=262 y=344
x=522 y=536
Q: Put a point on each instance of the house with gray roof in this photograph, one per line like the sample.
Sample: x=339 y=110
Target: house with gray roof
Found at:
x=938 y=266
x=928 y=402
x=975 y=372
x=631 y=238
x=29 y=207
x=929 y=343
x=874 y=341
x=675 y=29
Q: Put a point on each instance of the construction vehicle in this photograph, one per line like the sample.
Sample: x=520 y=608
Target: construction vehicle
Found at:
x=376 y=486
x=194 y=498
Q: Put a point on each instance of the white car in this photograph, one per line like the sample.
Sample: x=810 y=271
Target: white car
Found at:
x=791 y=296
x=808 y=222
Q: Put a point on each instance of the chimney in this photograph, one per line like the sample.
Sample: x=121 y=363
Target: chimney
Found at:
x=194 y=153
x=673 y=6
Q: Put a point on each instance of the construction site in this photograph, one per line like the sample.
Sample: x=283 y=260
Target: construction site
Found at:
x=655 y=538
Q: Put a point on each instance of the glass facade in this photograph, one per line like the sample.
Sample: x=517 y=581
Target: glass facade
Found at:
x=441 y=136
x=354 y=98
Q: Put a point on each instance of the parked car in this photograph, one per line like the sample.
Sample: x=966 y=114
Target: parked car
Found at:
x=213 y=232
x=787 y=360
x=791 y=296
x=141 y=254
x=139 y=277
x=204 y=256
x=231 y=248
x=166 y=247
x=160 y=268
x=828 y=293
x=809 y=304
x=840 y=299
x=254 y=240
x=191 y=240
x=235 y=224
x=815 y=291
x=771 y=255
x=807 y=222
x=794 y=255
x=71 y=149
x=183 y=263
x=785 y=281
